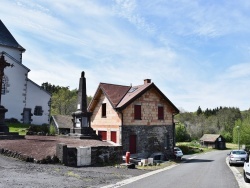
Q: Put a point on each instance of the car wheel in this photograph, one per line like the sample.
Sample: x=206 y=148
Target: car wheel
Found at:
x=230 y=164
x=245 y=177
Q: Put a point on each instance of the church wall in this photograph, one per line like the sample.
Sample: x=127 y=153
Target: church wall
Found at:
x=14 y=98
x=15 y=53
x=38 y=97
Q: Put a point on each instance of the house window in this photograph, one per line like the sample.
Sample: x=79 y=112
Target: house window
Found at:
x=160 y=112
x=104 y=110
x=137 y=112
x=38 y=111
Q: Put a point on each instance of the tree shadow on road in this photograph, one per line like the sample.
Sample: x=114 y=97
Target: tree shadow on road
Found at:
x=198 y=161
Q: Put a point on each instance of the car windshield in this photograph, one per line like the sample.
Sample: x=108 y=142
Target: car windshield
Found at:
x=239 y=152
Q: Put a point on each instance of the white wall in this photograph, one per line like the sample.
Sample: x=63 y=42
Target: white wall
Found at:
x=22 y=92
x=14 y=99
x=38 y=97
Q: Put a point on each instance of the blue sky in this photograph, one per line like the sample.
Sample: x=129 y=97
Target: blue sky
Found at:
x=196 y=52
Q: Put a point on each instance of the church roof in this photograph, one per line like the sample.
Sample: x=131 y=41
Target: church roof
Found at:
x=6 y=38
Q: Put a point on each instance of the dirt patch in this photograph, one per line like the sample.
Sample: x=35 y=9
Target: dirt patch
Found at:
x=40 y=147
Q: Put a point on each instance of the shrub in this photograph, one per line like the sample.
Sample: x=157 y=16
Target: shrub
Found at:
x=52 y=130
x=39 y=129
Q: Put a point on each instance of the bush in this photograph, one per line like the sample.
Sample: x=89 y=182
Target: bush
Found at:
x=11 y=120
x=44 y=129
x=52 y=130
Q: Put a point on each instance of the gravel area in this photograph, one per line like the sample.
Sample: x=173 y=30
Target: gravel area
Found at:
x=19 y=174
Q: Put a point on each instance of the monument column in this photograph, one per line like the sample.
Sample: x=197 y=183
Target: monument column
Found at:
x=81 y=118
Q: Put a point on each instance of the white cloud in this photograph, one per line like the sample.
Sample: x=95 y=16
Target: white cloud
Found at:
x=174 y=43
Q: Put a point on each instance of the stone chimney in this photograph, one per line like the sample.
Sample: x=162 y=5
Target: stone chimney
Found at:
x=147 y=81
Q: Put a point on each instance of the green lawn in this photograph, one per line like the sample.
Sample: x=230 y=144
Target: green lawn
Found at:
x=18 y=127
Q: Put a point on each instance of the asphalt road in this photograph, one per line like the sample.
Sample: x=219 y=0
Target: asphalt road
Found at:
x=201 y=171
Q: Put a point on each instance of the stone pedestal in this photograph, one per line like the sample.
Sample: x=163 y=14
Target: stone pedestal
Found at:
x=4 y=129
x=83 y=133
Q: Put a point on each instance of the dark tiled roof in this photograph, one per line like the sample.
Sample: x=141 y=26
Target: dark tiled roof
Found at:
x=209 y=137
x=114 y=93
x=6 y=38
x=132 y=93
x=121 y=96
x=63 y=121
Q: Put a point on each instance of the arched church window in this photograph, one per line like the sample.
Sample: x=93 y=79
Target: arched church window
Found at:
x=5 y=83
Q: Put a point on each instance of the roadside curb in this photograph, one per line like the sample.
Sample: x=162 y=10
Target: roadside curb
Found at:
x=239 y=178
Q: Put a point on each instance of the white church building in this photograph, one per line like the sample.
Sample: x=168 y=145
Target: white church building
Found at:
x=25 y=100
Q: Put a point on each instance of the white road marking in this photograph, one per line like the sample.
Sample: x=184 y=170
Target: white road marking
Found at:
x=133 y=179
x=239 y=178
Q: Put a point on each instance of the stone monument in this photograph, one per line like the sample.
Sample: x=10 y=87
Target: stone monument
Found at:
x=4 y=129
x=81 y=118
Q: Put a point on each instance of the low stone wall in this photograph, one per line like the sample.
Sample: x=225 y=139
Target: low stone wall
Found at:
x=26 y=158
x=88 y=156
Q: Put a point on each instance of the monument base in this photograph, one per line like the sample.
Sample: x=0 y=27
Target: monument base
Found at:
x=10 y=136
x=3 y=126
x=83 y=133
x=4 y=129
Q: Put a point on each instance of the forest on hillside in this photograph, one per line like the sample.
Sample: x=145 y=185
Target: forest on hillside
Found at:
x=230 y=122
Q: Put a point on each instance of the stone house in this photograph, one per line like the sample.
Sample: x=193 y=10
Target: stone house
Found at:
x=140 y=118
x=25 y=100
x=215 y=141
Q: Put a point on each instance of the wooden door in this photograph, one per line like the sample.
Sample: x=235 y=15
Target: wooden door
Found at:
x=103 y=134
x=113 y=136
x=132 y=144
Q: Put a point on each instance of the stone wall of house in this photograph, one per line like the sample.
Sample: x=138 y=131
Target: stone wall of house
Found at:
x=149 y=139
x=99 y=155
x=111 y=122
x=149 y=102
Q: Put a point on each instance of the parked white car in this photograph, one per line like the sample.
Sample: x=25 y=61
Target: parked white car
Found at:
x=178 y=153
x=246 y=170
x=237 y=157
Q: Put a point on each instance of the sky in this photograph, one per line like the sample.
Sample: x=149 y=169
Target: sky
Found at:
x=196 y=52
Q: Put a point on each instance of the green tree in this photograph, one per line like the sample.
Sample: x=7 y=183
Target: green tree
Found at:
x=199 y=111
x=181 y=134
x=64 y=102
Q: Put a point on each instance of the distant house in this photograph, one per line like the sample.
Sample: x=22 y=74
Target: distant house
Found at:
x=25 y=100
x=215 y=141
x=140 y=118
x=62 y=123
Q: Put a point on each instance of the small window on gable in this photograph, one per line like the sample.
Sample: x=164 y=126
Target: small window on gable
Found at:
x=137 y=112
x=104 y=111
x=160 y=112
x=38 y=111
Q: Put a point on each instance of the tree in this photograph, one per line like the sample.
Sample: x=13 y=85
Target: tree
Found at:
x=199 y=111
x=181 y=134
x=51 y=88
x=64 y=102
